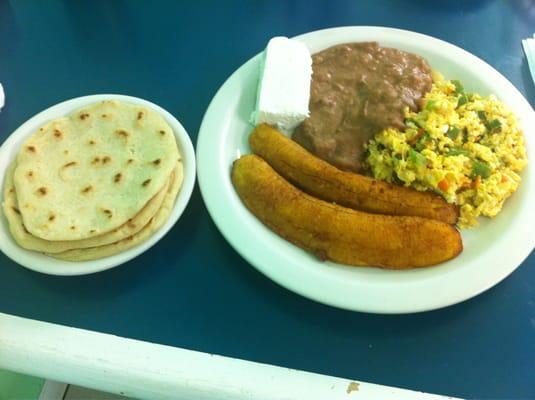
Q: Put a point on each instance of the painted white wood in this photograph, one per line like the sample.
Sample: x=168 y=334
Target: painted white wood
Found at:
x=150 y=371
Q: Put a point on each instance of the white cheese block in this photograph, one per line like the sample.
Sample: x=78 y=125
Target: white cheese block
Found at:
x=284 y=84
x=2 y=96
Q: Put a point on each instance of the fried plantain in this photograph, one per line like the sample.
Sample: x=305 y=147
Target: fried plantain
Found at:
x=349 y=189
x=338 y=233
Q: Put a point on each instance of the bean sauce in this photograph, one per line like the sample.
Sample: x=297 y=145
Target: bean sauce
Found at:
x=357 y=90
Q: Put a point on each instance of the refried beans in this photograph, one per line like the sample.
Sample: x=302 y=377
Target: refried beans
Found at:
x=357 y=90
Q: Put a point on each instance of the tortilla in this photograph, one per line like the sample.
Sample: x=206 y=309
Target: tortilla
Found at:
x=148 y=230
x=30 y=242
x=89 y=173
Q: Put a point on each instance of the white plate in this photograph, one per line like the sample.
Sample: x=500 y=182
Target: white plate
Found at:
x=491 y=252
x=42 y=263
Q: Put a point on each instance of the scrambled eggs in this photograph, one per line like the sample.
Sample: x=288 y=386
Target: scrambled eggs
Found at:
x=466 y=147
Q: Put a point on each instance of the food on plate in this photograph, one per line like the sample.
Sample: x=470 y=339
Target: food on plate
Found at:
x=466 y=147
x=284 y=84
x=92 y=180
x=155 y=223
x=89 y=173
x=357 y=90
x=337 y=233
x=321 y=179
x=30 y=242
x=408 y=153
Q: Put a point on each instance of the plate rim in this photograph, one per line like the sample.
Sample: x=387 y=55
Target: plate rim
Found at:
x=42 y=263
x=206 y=189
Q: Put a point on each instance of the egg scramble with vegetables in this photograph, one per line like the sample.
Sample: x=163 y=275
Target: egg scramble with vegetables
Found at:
x=466 y=147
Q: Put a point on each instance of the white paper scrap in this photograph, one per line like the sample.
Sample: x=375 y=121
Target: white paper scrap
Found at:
x=529 y=50
x=2 y=97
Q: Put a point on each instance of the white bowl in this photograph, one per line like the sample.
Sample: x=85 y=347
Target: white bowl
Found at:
x=491 y=252
x=48 y=265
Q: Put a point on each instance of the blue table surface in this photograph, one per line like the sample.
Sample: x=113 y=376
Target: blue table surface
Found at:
x=192 y=289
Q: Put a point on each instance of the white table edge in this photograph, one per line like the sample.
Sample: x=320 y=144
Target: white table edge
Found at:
x=146 y=370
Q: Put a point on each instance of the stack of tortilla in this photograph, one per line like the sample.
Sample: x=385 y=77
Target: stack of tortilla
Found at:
x=93 y=184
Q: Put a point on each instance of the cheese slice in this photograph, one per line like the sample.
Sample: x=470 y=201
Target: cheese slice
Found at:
x=284 y=84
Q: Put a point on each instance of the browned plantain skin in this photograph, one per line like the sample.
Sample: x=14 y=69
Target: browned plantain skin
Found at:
x=349 y=189
x=337 y=233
